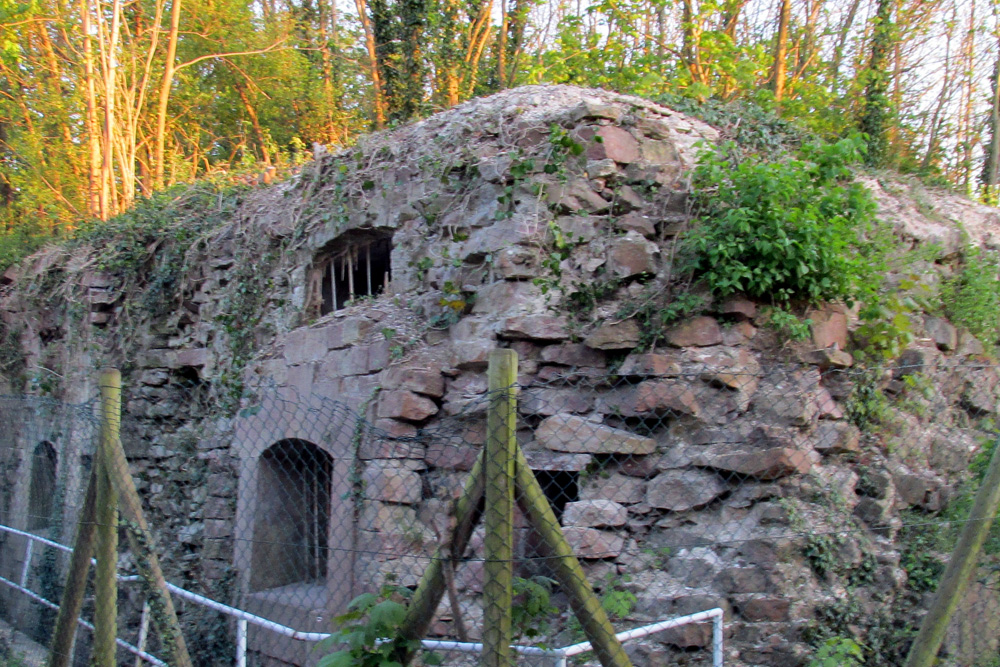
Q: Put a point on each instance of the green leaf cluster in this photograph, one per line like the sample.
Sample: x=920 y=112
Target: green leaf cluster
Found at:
x=787 y=230
x=838 y=652
x=532 y=606
x=971 y=298
x=369 y=631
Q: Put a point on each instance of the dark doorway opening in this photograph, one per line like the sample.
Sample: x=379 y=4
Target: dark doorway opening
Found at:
x=291 y=525
x=42 y=488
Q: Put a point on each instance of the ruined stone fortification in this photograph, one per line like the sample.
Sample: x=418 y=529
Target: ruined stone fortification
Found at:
x=472 y=230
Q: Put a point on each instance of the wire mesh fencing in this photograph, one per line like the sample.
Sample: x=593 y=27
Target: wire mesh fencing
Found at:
x=814 y=505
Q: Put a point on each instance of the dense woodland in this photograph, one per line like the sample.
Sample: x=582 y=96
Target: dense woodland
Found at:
x=106 y=101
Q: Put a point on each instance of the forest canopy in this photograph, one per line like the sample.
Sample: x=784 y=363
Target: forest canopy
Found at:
x=105 y=101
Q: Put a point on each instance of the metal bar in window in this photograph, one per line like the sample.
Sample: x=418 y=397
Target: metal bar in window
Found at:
x=368 y=267
x=317 y=526
x=350 y=275
x=333 y=283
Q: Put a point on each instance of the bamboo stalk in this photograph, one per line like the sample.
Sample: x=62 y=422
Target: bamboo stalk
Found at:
x=333 y=284
x=501 y=446
x=350 y=275
x=105 y=580
x=368 y=267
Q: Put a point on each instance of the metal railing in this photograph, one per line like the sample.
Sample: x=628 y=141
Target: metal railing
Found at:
x=244 y=619
x=22 y=587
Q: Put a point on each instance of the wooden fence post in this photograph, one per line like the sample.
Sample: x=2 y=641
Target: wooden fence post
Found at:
x=585 y=604
x=961 y=565
x=105 y=574
x=141 y=543
x=427 y=597
x=500 y=451
x=61 y=648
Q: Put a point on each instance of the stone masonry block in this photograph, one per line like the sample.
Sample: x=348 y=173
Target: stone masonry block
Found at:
x=406 y=405
x=594 y=514
x=390 y=482
x=569 y=433
x=592 y=543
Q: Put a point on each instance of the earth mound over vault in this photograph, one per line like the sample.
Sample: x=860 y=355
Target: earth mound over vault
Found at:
x=328 y=336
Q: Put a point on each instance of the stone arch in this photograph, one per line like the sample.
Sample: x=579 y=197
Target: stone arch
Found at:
x=42 y=485
x=292 y=519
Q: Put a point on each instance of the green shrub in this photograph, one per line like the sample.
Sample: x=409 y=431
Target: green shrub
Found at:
x=532 y=607
x=18 y=243
x=749 y=124
x=788 y=230
x=370 y=631
x=838 y=652
x=972 y=298
x=867 y=406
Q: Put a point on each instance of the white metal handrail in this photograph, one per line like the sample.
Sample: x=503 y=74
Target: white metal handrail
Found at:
x=22 y=587
x=245 y=618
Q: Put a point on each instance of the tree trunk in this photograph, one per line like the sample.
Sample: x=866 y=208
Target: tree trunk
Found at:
x=808 y=52
x=969 y=136
x=413 y=17
x=373 y=64
x=875 y=116
x=94 y=198
x=838 y=50
x=781 y=51
x=255 y=122
x=386 y=54
x=327 y=30
x=502 y=48
x=479 y=37
x=991 y=167
x=930 y=157
x=691 y=46
x=165 y=86
x=517 y=21
x=109 y=68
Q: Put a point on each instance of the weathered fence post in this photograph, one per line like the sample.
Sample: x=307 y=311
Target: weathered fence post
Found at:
x=506 y=477
x=61 y=650
x=105 y=579
x=429 y=592
x=501 y=449
x=961 y=565
x=141 y=543
x=585 y=604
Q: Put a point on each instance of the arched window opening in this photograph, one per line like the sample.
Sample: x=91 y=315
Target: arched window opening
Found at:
x=42 y=487
x=356 y=264
x=291 y=525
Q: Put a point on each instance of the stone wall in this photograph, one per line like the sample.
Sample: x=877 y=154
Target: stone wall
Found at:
x=541 y=219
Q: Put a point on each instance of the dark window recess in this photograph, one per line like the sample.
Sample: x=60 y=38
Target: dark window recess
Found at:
x=560 y=487
x=42 y=488
x=292 y=522
x=357 y=265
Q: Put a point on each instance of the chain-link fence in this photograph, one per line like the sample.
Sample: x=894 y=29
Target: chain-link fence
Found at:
x=815 y=506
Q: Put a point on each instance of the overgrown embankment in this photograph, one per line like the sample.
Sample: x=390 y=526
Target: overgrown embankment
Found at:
x=733 y=303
